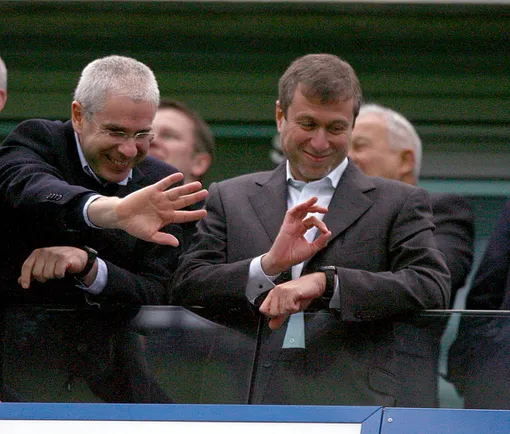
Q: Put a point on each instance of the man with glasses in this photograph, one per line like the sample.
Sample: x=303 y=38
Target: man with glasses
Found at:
x=83 y=207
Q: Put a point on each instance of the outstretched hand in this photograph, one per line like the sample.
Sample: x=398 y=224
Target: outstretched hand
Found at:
x=144 y=212
x=290 y=246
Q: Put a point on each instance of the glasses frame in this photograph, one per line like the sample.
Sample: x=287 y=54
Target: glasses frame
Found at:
x=122 y=136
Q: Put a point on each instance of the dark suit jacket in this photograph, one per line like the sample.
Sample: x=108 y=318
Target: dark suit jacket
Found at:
x=454 y=234
x=479 y=363
x=43 y=189
x=418 y=340
x=387 y=262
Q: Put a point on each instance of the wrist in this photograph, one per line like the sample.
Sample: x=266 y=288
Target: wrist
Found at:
x=269 y=267
x=102 y=212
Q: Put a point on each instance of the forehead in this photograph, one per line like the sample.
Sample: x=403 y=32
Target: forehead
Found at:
x=339 y=110
x=173 y=118
x=121 y=109
x=370 y=124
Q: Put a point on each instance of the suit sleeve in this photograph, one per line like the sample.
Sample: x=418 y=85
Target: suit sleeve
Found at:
x=417 y=277
x=204 y=275
x=29 y=178
x=454 y=221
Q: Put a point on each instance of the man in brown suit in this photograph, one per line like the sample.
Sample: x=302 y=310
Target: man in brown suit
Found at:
x=359 y=252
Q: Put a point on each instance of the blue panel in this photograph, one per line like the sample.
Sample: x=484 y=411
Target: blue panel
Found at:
x=372 y=425
x=434 y=421
x=190 y=412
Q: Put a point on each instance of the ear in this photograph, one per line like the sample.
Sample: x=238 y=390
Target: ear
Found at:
x=200 y=164
x=279 y=116
x=77 y=116
x=3 y=98
x=407 y=163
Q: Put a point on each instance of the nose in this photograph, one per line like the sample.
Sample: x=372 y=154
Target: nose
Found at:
x=319 y=140
x=129 y=148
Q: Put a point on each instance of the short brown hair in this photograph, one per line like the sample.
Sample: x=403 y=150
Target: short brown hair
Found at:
x=325 y=76
x=204 y=138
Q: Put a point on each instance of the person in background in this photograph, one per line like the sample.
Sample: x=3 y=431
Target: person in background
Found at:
x=3 y=84
x=385 y=144
x=90 y=221
x=183 y=139
x=327 y=254
x=479 y=358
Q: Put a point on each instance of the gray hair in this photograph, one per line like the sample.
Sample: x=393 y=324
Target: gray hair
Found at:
x=3 y=75
x=401 y=133
x=115 y=75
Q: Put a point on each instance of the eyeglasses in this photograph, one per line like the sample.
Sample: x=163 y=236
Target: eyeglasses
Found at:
x=122 y=136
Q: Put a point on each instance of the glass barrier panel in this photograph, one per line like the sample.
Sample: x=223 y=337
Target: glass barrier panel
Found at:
x=172 y=354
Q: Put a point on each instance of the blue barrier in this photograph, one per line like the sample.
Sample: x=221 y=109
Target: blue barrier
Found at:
x=126 y=418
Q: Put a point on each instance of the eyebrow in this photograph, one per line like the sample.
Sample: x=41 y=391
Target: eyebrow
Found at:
x=115 y=127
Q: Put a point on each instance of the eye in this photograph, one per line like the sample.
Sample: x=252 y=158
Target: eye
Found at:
x=116 y=134
x=336 y=129
x=307 y=125
x=145 y=136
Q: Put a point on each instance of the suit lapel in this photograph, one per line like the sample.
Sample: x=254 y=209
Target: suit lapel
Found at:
x=270 y=200
x=349 y=202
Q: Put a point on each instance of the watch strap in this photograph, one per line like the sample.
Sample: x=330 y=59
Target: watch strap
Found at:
x=330 y=272
x=91 y=258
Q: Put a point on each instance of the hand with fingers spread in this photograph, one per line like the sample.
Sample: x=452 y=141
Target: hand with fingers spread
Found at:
x=143 y=213
x=292 y=297
x=53 y=263
x=290 y=246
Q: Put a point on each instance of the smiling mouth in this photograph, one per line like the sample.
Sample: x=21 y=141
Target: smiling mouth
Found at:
x=317 y=158
x=119 y=164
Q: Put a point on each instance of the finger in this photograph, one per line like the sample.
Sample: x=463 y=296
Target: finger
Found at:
x=165 y=239
x=318 y=209
x=182 y=190
x=188 y=216
x=60 y=268
x=264 y=307
x=300 y=210
x=322 y=240
x=165 y=183
x=277 y=322
x=26 y=272
x=312 y=221
x=189 y=199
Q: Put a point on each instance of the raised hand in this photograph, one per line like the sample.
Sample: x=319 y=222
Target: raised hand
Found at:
x=292 y=297
x=144 y=212
x=290 y=246
x=53 y=263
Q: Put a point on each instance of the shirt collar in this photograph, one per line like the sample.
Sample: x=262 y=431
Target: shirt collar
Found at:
x=88 y=170
x=332 y=178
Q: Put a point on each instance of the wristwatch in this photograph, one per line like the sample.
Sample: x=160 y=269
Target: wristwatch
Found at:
x=330 y=272
x=91 y=258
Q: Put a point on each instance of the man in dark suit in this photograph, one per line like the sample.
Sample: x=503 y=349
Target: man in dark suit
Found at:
x=82 y=211
x=385 y=144
x=479 y=361
x=362 y=247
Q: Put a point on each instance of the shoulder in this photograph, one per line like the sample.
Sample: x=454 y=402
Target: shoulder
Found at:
x=243 y=182
x=155 y=169
x=32 y=126
x=450 y=204
x=389 y=190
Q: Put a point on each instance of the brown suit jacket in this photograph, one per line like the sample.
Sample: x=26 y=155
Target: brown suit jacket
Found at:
x=388 y=266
